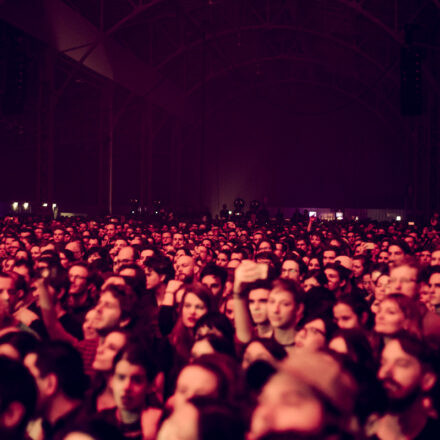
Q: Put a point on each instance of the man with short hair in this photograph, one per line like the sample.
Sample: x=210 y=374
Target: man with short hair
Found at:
x=408 y=376
x=186 y=269
x=178 y=240
x=127 y=255
x=59 y=374
x=18 y=398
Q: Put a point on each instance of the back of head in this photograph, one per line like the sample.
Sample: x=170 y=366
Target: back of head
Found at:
x=65 y=362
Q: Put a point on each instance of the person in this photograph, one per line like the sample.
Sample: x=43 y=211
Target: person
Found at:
x=59 y=374
x=408 y=376
x=214 y=278
x=351 y=311
x=310 y=394
x=18 y=397
x=133 y=373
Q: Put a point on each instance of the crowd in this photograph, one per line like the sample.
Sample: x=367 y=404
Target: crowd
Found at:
x=231 y=328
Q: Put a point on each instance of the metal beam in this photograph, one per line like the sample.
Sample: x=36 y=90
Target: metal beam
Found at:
x=54 y=23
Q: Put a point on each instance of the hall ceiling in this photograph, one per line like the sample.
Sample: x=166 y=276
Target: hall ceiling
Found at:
x=227 y=46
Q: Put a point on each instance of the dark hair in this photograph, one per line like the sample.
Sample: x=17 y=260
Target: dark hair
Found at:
x=161 y=265
x=218 y=420
x=216 y=320
x=220 y=344
x=216 y=271
x=137 y=353
x=126 y=297
x=65 y=362
x=17 y=385
x=272 y=346
x=23 y=342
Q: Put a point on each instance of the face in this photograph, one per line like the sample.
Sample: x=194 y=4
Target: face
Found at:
x=403 y=279
x=264 y=246
x=258 y=305
x=345 y=316
x=130 y=386
x=357 y=268
x=108 y=312
x=383 y=257
x=315 y=241
x=213 y=284
x=281 y=309
x=184 y=268
x=435 y=258
x=396 y=255
x=400 y=373
x=58 y=236
x=381 y=287
x=107 y=351
x=35 y=252
x=78 y=280
x=229 y=310
x=314 y=264
x=166 y=238
x=286 y=404
x=389 y=318
x=311 y=336
x=193 y=308
x=6 y=297
x=110 y=230
x=178 y=241
x=88 y=327
x=334 y=280
x=153 y=279
x=222 y=260
x=425 y=258
x=434 y=289
x=328 y=256
x=193 y=381
x=290 y=270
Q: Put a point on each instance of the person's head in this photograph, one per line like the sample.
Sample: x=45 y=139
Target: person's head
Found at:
x=185 y=268
x=79 y=279
x=262 y=349
x=336 y=277
x=406 y=371
x=395 y=313
x=381 y=286
x=359 y=266
x=383 y=257
x=434 y=286
x=108 y=349
x=285 y=304
x=58 y=370
x=18 y=398
x=435 y=258
x=127 y=255
x=133 y=372
x=404 y=278
x=397 y=251
x=197 y=300
x=158 y=270
x=214 y=278
x=115 y=308
x=292 y=268
x=77 y=249
x=314 y=264
x=7 y=293
x=223 y=258
x=203 y=418
x=314 y=332
x=328 y=255
x=17 y=344
x=257 y=300
x=211 y=344
x=350 y=311
x=214 y=323
x=315 y=384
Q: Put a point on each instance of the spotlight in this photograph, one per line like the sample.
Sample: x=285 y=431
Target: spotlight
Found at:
x=15 y=206
x=25 y=205
x=339 y=215
x=54 y=205
x=312 y=213
x=44 y=205
x=398 y=218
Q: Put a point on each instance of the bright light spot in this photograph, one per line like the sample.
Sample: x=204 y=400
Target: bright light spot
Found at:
x=44 y=205
x=398 y=218
x=230 y=212
x=15 y=206
x=339 y=216
x=25 y=205
x=312 y=213
x=54 y=205
x=356 y=218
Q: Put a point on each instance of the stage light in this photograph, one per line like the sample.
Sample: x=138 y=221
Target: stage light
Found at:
x=54 y=205
x=25 y=205
x=44 y=205
x=312 y=213
x=15 y=206
x=398 y=218
x=339 y=215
